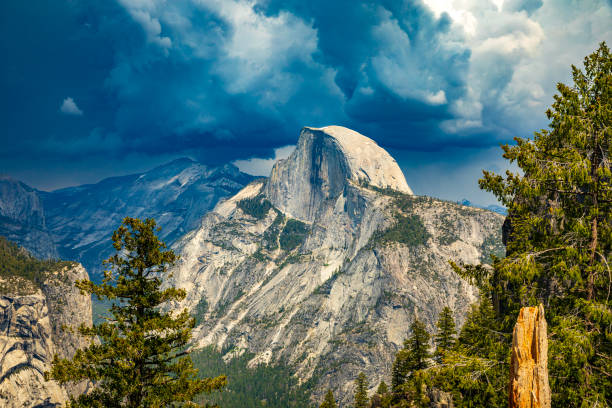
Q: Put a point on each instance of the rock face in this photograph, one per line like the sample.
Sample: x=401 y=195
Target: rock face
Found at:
x=325 y=161
x=82 y=219
x=22 y=218
x=319 y=270
x=529 y=387
x=31 y=321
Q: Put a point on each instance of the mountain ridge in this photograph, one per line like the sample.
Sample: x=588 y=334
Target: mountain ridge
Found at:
x=76 y=223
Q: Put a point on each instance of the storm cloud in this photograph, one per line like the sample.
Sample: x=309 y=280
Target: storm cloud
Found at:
x=226 y=80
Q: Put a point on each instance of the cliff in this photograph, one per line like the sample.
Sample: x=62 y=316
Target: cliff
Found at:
x=22 y=218
x=324 y=265
x=32 y=320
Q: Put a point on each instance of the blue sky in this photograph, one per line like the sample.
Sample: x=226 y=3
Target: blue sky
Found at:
x=92 y=88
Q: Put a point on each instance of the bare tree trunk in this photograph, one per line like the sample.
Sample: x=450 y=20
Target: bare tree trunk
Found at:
x=528 y=386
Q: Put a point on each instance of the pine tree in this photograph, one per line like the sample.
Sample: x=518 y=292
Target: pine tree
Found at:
x=561 y=232
x=382 y=388
x=140 y=360
x=559 y=237
x=445 y=338
x=418 y=346
x=414 y=356
x=361 y=391
x=329 y=401
x=382 y=398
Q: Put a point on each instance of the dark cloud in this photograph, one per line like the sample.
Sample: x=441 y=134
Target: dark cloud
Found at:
x=227 y=80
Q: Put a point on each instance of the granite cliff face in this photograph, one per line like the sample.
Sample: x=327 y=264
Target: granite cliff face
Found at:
x=324 y=163
x=22 y=218
x=31 y=321
x=324 y=265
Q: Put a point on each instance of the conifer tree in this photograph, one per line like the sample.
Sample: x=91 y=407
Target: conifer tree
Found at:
x=361 y=391
x=140 y=360
x=414 y=356
x=418 y=346
x=382 y=388
x=329 y=401
x=445 y=337
x=559 y=236
x=560 y=242
x=382 y=398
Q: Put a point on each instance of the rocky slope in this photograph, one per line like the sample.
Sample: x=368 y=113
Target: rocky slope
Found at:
x=324 y=265
x=76 y=223
x=31 y=320
x=22 y=218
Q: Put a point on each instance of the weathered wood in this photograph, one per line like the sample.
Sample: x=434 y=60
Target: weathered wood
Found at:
x=529 y=387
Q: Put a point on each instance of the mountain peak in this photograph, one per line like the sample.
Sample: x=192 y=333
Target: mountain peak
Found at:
x=325 y=161
x=367 y=160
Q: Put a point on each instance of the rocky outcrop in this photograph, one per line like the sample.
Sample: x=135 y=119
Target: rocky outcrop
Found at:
x=32 y=322
x=440 y=399
x=325 y=271
x=177 y=195
x=22 y=218
x=529 y=387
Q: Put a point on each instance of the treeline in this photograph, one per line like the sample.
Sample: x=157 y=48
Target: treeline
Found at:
x=271 y=386
x=470 y=367
x=16 y=261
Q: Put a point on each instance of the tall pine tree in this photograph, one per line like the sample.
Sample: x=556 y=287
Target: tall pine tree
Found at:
x=559 y=235
x=445 y=337
x=361 y=391
x=140 y=360
x=414 y=356
x=329 y=400
x=560 y=242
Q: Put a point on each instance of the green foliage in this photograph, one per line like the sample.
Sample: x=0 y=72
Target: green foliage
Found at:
x=329 y=400
x=200 y=310
x=382 y=388
x=408 y=229
x=293 y=235
x=256 y=207
x=474 y=369
x=361 y=391
x=140 y=359
x=17 y=262
x=558 y=245
x=445 y=338
x=270 y=236
x=560 y=241
x=382 y=397
x=271 y=386
x=414 y=356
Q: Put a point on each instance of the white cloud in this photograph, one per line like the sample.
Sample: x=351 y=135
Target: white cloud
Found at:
x=69 y=107
x=400 y=67
x=518 y=54
x=262 y=167
x=142 y=12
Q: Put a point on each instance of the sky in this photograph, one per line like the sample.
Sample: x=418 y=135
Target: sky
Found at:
x=91 y=89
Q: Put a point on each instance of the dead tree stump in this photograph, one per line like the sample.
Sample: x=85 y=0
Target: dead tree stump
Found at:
x=528 y=387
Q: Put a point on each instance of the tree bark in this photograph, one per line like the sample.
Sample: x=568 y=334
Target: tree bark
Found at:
x=528 y=386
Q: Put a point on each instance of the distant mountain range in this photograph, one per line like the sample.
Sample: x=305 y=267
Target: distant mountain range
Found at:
x=321 y=267
x=493 y=207
x=76 y=223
